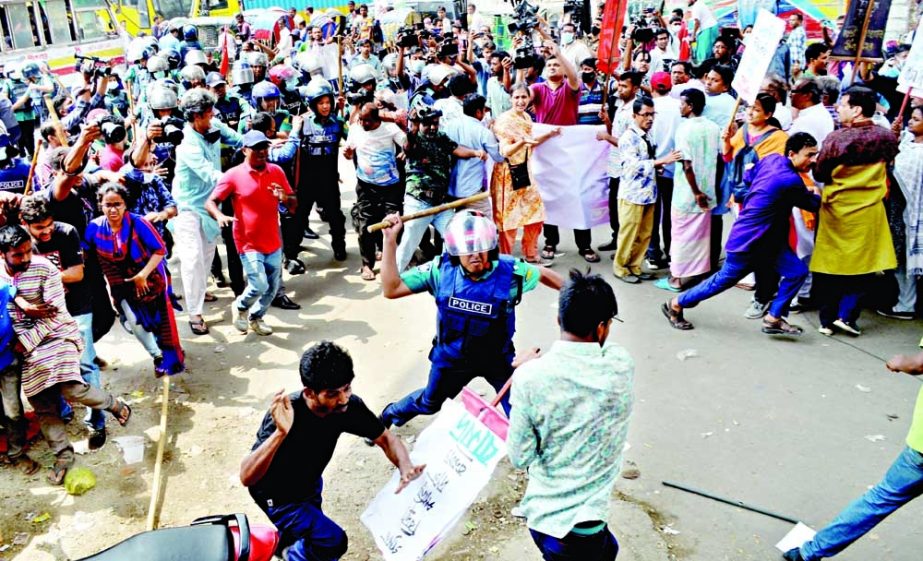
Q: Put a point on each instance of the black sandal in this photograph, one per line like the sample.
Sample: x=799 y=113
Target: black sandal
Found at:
x=121 y=411
x=548 y=252
x=25 y=464
x=590 y=256
x=675 y=318
x=59 y=471
x=781 y=327
x=198 y=327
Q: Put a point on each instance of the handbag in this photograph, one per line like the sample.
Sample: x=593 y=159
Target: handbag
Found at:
x=519 y=175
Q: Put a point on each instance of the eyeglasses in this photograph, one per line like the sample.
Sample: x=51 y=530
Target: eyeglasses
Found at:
x=646 y=115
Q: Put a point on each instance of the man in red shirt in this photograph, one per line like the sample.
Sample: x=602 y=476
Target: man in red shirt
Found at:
x=256 y=188
x=555 y=102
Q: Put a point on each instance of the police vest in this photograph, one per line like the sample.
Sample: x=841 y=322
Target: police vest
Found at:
x=13 y=178
x=230 y=109
x=321 y=139
x=18 y=88
x=476 y=320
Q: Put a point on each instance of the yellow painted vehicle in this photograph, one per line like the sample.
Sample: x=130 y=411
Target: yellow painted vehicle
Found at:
x=52 y=32
x=137 y=16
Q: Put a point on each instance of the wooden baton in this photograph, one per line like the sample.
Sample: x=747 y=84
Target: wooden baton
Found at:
x=372 y=228
x=36 y=150
x=53 y=117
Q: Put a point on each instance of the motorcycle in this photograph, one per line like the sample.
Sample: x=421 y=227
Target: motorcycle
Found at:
x=212 y=538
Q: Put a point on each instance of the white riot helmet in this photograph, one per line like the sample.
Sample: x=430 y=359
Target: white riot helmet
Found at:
x=192 y=74
x=195 y=56
x=470 y=232
x=241 y=73
x=157 y=64
x=309 y=64
x=362 y=74
x=162 y=97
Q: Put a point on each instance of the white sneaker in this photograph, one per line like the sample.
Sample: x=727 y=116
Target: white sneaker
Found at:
x=259 y=327
x=849 y=327
x=756 y=310
x=242 y=319
x=826 y=331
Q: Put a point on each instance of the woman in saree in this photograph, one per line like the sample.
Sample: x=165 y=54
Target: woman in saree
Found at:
x=131 y=254
x=516 y=200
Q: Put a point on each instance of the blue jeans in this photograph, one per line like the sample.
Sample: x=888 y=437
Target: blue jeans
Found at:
x=601 y=546
x=446 y=380
x=264 y=273
x=902 y=483
x=304 y=526
x=414 y=229
x=737 y=266
x=95 y=418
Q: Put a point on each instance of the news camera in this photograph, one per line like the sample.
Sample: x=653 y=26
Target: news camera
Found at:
x=525 y=20
x=94 y=66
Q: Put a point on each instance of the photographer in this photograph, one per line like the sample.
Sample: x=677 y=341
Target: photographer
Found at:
x=198 y=169
x=164 y=132
x=85 y=100
x=112 y=157
x=499 y=84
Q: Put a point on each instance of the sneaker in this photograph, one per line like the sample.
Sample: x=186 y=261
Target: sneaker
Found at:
x=646 y=276
x=890 y=313
x=294 y=266
x=825 y=330
x=756 y=310
x=241 y=321
x=259 y=327
x=655 y=265
x=629 y=278
x=848 y=326
x=339 y=254
x=793 y=555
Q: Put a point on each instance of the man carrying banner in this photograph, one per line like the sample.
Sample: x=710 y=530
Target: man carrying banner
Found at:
x=569 y=424
x=295 y=443
x=477 y=291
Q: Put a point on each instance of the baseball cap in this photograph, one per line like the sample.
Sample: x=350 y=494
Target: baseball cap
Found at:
x=214 y=78
x=252 y=139
x=661 y=81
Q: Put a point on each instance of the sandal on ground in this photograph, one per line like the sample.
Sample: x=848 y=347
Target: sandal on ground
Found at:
x=367 y=274
x=548 y=252
x=121 y=411
x=25 y=464
x=59 y=470
x=209 y=297
x=664 y=284
x=590 y=256
x=781 y=327
x=675 y=318
x=198 y=327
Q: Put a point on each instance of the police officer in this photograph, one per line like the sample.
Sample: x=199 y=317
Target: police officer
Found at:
x=17 y=90
x=259 y=62
x=190 y=40
x=242 y=80
x=477 y=291
x=362 y=81
x=268 y=98
x=38 y=86
x=14 y=171
x=286 y=78
x=319 y=180
x=230 y=107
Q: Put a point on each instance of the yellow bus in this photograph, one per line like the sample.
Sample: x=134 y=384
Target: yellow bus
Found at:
x=51 y=32
x=137 y=16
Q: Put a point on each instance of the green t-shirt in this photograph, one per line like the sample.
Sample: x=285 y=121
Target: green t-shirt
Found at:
x=915 y=437
x=426 y=277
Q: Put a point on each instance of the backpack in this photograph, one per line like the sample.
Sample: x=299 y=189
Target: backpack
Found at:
x=745 y=159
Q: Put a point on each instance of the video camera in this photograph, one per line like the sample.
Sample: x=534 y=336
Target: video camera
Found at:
x=525 y=21
x=579 y=11
x=643 y=30
x=95 y=66
x=407 y=37
x=112 y=128
x=172 y=131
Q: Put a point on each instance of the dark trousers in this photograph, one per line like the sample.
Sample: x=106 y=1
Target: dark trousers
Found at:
x=235 y=269
x=446 y=380
x=581 y=237
x=839 y=296
x=304 y=526
x=662 y=221
x=601 y=546
x=27 y=137
x=737 y=265
x=373 y=203
x=323 y=189
x=614 y=207
x=715 y=243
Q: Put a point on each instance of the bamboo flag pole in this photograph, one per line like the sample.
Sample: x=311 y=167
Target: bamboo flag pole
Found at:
x=372 y=228
x=53 y=117
x=38 y=147
x=155 y=492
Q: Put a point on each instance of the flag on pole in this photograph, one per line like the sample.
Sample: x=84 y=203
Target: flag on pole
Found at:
x=225 y=55
x=613 y=19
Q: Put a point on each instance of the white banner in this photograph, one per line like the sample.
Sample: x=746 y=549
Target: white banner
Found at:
x=912 y=69
x=460 y=454
x=762 y=44
x=570 y=170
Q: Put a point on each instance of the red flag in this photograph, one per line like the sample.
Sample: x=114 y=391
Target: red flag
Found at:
x=225 y=56
x=613 y=19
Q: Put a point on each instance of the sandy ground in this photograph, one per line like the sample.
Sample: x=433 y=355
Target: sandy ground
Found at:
x=779 y=424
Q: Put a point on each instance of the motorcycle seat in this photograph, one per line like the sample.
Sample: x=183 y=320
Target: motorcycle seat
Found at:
x=188 y=543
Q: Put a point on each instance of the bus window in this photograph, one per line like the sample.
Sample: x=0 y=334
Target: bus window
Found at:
x=217 y=5
x=143 y=18
x=56 y=15
x=170 y=9
x=90 y=26
x=20 y=23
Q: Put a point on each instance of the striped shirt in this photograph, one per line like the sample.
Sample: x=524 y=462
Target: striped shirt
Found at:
x=590 y=104
x=52 y=345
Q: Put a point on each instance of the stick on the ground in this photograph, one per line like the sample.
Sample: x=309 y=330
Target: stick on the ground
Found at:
x=155 y=492
x=730 y=502
x=372 y=228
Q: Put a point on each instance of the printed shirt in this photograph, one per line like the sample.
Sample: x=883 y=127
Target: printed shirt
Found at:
x=429 y=167
x=154 y=197
x=638 y=183
x=376 y=154
x=256 y=208
x=797 y=40
x=426 y=277
x=699 y=140
x=620 y=123
x=568 y=427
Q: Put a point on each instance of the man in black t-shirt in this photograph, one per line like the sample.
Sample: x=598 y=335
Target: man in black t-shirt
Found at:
x=295 y=443
x=59 y=243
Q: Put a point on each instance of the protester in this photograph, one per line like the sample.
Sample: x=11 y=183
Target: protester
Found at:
x=566 y=504
x=704 y=29
x=14 y=417
x=285 y=483
x=796 y=41
x=853 y=239
x=666 y=121
x=470 y=277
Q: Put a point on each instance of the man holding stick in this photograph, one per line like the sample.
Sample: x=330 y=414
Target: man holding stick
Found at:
x=477 y=291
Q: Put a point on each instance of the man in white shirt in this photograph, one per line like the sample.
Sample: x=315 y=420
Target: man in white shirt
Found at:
x=475 y=20
x=681 y=77
x=662 y=134
x=664 y=50
x=574 y=49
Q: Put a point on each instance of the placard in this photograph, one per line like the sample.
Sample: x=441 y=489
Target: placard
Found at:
x=762 y=45
x=847 y=42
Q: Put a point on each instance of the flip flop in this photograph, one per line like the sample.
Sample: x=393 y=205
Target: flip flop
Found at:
x=198 y=327
x=26 y=465
x=121 y=411
x=209 y=297
x=59 y=471
x=367 y=274
x=590 y=256
x=675 y=318
x=781 y=327
x=664 y=284
x=548 y=252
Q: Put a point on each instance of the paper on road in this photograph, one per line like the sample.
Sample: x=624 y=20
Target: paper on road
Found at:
x=795 y=537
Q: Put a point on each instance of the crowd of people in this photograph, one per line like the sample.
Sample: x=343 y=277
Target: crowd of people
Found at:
x=137 y=174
